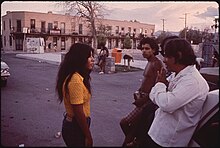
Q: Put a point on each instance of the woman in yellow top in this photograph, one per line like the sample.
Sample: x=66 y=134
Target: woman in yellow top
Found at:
x=73 y=88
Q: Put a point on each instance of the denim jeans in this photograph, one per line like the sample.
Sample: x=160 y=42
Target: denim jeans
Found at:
x=72 y=133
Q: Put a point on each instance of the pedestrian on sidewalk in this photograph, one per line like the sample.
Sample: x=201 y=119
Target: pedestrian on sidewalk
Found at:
x=103 y=54
x=73 y=87
x=129 y=123
x=129 y=58
x=180 y=100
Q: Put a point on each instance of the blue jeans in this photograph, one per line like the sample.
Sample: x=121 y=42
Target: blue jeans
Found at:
x=72 y=133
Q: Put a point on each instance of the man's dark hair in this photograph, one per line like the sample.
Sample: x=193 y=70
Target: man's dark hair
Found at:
x=181 y=50
x=152 y=44
x=164 y=41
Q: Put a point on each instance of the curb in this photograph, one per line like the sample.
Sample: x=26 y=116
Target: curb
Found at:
x=37 y=59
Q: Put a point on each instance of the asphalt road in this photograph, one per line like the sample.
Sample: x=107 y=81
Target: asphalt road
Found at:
x=31 y=114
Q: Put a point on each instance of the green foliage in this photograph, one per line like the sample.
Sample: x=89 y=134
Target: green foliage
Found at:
x=162 y=36
x=127 y=42
x=196 y=36
x=101 y=39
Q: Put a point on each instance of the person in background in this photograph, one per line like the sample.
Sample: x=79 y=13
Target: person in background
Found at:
x=129 y=58
x=180 y=100
x=73 y=88
x=215 y=58
x=129 y=123
x=103 y=54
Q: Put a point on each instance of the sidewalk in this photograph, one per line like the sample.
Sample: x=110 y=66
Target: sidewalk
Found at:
x=55 y=58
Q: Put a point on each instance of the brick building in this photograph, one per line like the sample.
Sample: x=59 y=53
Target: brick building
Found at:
x=60 y=31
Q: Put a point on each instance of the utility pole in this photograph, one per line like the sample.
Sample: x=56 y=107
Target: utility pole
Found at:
x=163 y=24
x=185 y=24
x=185 y=29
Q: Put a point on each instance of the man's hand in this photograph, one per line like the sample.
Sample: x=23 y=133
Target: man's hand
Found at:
x=139 y=102
x=161 y=76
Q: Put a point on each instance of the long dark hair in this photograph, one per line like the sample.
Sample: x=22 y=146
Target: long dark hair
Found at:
x=75 y=61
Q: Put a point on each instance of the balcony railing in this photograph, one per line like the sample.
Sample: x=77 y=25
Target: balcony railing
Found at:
x=50 y=31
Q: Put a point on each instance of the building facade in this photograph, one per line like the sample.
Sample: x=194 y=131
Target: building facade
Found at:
x=61 y=31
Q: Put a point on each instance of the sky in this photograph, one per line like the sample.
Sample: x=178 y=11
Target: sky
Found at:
x=167 y=15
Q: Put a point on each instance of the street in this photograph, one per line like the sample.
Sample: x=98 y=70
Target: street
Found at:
x=31 y=114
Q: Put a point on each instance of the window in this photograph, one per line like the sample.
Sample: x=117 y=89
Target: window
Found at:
x=43 y=26
x=134 y=30
x=73 y=40
x=80 y=29
x=50 y=26
x=145 y=31
x=129 y=29
x=55 y=25
x=73 y=25
x=62 y=27
x=80 y=40
x=141 y=30
x=10 y=40
x=4 y=25
x=18 y=25
x=54 y=42
x=109 y=30
x=4 y=40
x=10 y=27
x=62 y=43
x=32 y=23
x=117 y=30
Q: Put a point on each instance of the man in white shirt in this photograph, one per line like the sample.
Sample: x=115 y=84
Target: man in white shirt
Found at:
x=180 y=100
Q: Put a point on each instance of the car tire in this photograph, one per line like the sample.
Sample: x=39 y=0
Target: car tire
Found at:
x=3 y=83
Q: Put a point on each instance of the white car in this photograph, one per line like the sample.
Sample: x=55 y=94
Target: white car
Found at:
x=207 y=132
x=4 y=73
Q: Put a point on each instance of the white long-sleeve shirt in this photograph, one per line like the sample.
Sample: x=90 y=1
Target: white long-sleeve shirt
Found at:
x=180 y=107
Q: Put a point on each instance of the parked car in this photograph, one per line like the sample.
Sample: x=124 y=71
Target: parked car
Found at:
x=4 y=73
x=207 y=132
x=211 y=74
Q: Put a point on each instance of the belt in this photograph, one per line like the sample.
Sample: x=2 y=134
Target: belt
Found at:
x=70 y=119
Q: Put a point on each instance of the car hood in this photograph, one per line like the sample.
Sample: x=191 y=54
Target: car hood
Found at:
x=210 y=70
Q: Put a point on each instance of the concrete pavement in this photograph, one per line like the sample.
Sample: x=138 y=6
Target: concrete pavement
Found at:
x=55 y=58
x=112 y=97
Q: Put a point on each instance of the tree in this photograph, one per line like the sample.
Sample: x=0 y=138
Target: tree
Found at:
x=162 y=36
x=90 y=11
x=101 y=40
x=127 y=42
x=194 y=36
